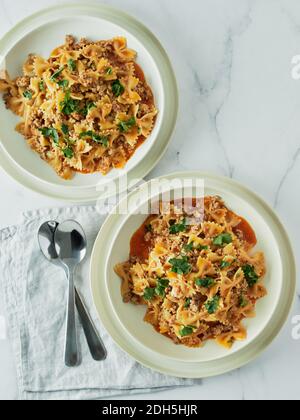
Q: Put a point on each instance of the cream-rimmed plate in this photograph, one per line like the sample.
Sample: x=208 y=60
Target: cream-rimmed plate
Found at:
x=43 y=31
x=125 y=322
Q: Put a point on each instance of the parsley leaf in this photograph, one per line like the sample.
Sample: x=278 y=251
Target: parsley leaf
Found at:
x=224 y=238
x=161 y=286
x=50 y=132
x=212 y=305
x=185 y=331
x=117 y=88
x=42 y=85
x=69 y=105
x=85 y=110
x=125 y=126
x=205 y=282
x=250 y=275
x=71 y=64
x=149 y=293
x=27 y=94
x=180 y=265
x=189 y=247
x=179 y=227
x=63 y=83
x=65 y=129
x=68 y=152
x=203 y=247
x=149 y=228
x=109 y=71
x=243 y=302
x=187 y=303
x=95 y=137
x=55 y=75
x=225 y=264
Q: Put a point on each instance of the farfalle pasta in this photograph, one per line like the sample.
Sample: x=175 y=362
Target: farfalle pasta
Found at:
x=195 y=269
x=86 y=108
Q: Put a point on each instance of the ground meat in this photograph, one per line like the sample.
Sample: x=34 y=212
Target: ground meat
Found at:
x=23 y=81
x=88 y=81
x=101 y=89
x=104 y=164
x=70 y=41
x=197 y=301
x=75 y=88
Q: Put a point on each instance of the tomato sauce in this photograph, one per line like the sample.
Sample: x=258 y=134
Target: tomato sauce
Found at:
x=139 y=73
x=247 y=231
x=139 y=247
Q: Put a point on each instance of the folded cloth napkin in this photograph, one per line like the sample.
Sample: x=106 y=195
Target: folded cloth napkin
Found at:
x=35 y=295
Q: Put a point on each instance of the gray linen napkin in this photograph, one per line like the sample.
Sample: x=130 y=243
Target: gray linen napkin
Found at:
x=34 y=293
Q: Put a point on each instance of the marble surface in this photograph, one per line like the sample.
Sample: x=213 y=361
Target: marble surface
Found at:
x=239 y=117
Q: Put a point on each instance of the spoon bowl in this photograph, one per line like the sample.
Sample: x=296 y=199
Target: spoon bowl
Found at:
x=70 y=243
x=46 y=241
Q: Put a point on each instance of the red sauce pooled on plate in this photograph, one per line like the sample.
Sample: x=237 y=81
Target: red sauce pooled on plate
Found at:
x=246 y=230
x=139 y=247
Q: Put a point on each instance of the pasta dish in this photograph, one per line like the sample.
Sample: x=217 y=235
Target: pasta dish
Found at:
x=195 y=269
x=86 y=108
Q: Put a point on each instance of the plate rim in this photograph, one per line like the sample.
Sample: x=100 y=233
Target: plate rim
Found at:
x=164 y=136
x=242 y=356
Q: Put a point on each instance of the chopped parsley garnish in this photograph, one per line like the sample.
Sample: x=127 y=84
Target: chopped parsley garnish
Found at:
x=243 y=302
x=161 y=286
x=68 y=152
x=63 y=83
x=250 y=275
x=95 y=137
x=178 y=227
x=125 y=126
x=27 y=94
x=212 y=304
x=85 y=110
x=149 y=293
x=203 y=247
x=50 y=132
x=117 y=88
x=109 y=71
x=55 y=75
x=223 y=239
x=149 y=228
x=159 y=290
x=71 y=64
x=42 y=85
x=65 y=129
x=180 y=265
x=185 y=331
x=187 y=303
x=225 y=264
x=189 y=247
x=205 y=282
x=69 y=105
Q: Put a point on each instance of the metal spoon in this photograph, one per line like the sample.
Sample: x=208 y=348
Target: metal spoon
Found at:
x=70 y=245
x=46 y=241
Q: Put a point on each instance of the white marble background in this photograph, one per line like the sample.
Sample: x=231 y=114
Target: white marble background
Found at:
x=240 y=110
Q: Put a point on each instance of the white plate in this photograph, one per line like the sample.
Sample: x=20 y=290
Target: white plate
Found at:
x=43 y=31
x=125 y=322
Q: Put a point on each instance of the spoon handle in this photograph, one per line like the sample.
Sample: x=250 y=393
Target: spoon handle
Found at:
x=94 y=341
x=71 y=349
